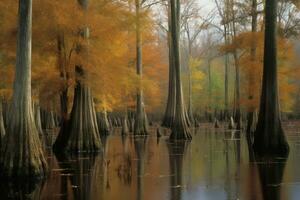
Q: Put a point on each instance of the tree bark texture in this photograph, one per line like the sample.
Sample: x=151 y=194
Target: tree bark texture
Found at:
x=22 y=154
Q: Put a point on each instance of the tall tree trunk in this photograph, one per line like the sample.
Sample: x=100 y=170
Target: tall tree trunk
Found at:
x=269 y=137
x=63 y=96
x=22 y=152
x=251 y=73
x=80 y=134
x=209 y=90
x=226 y=81
x=169 y=116
x=62 y=61
x=237 y=109
x=190 y=104
x=190 y=101
x=180 y=128
x=237 y=112
x=140 y=123
x=170 y=109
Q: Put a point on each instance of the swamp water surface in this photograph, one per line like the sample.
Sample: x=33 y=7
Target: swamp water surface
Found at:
x=215 y=165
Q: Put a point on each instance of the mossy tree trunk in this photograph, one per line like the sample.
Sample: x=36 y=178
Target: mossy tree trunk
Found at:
x=179 y=128
x=140 y=123
x=269 y=137
x=22 y=152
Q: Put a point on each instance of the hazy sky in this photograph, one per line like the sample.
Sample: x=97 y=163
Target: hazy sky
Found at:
x=207 y=5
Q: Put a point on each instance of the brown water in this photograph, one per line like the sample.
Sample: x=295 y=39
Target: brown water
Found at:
x=214 y=165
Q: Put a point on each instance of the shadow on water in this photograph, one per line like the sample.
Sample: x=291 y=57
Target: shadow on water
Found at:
x=27 y=190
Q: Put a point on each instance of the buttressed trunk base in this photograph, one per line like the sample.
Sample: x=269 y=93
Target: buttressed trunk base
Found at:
x=22 y=152
x=83 y=134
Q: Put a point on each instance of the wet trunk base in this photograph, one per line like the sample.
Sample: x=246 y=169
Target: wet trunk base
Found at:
x=22 y=155
x=269 y=139
x=180 y=129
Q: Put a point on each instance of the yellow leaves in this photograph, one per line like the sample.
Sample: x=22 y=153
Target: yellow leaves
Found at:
x=196 y=73
x=108 y=57
x=194 y=63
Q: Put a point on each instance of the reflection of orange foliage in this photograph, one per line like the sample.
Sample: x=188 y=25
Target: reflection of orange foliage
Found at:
x=287 y=72
x=108 y=57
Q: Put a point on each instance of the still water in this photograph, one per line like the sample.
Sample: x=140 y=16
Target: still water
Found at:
x=214 y=165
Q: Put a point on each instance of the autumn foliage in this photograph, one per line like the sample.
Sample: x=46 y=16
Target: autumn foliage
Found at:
x=109 y=61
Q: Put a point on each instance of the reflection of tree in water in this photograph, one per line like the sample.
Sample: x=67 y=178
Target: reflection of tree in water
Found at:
x=20 y=189
x=176 y=155
x=271 y=174
x=104 y=140
x=124 y=170
x=270 y=170
x=140 y=145
x=232 y=145
x=79 y=170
